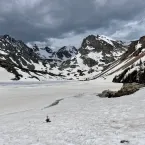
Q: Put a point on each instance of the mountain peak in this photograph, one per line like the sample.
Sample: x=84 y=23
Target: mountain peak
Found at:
x=7 y=38
x=106 y=39
x=96 y=41
x=67 y=52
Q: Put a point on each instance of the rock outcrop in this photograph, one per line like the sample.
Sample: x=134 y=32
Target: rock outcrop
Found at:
x=127 y=89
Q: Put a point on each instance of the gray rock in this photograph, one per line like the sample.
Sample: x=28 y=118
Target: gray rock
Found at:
x=106 y=94
x=126 y=89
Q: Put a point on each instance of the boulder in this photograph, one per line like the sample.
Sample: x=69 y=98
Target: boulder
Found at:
x=126 y=89
x=106 y=94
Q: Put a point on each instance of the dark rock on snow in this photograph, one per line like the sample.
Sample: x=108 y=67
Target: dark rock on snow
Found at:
x=126 y=89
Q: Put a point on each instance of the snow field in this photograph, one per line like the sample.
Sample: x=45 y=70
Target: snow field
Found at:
x=82 y=119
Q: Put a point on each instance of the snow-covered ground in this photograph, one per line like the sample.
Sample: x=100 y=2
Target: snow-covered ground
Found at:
x=20 y=96
x=81 y=118
x=5 y=75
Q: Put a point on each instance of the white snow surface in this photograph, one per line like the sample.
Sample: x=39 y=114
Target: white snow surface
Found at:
x=5 y=75
x=81 y=118
x=2 y=52
x=95 y=56
x=139 y=45
x=90 y=48
x=80 y=62
x=107 y=39
x=44 y=54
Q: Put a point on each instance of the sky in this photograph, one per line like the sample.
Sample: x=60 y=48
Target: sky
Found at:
x=67 y=22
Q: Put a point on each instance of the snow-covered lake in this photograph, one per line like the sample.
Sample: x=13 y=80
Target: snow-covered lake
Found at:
x=81 y=118
x=21 y=96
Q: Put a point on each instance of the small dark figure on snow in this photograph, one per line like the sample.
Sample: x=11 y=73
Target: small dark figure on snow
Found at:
x=124 y=141
x=47 y=119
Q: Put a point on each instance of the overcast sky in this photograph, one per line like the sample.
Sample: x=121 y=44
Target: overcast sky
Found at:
x=67 y=22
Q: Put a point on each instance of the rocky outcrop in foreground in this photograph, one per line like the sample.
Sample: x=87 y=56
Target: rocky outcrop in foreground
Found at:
x=126 y=89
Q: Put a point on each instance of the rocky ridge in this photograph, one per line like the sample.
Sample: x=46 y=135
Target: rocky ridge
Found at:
x=94 y=55
x=135 y=70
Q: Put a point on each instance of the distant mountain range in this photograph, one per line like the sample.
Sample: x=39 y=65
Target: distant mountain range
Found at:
x=98 y=56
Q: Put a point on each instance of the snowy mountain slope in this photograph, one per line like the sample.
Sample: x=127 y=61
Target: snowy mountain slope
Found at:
x=81 y=118
x=130 y=67
x=105 y=50
x=5 y=75
x=134 y=69
x=42 y=94
x=94 y=55
x=22 y=61
x=56 y=57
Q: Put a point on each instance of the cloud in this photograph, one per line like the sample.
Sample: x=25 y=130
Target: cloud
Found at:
x=41 y=20
x=131 y=30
